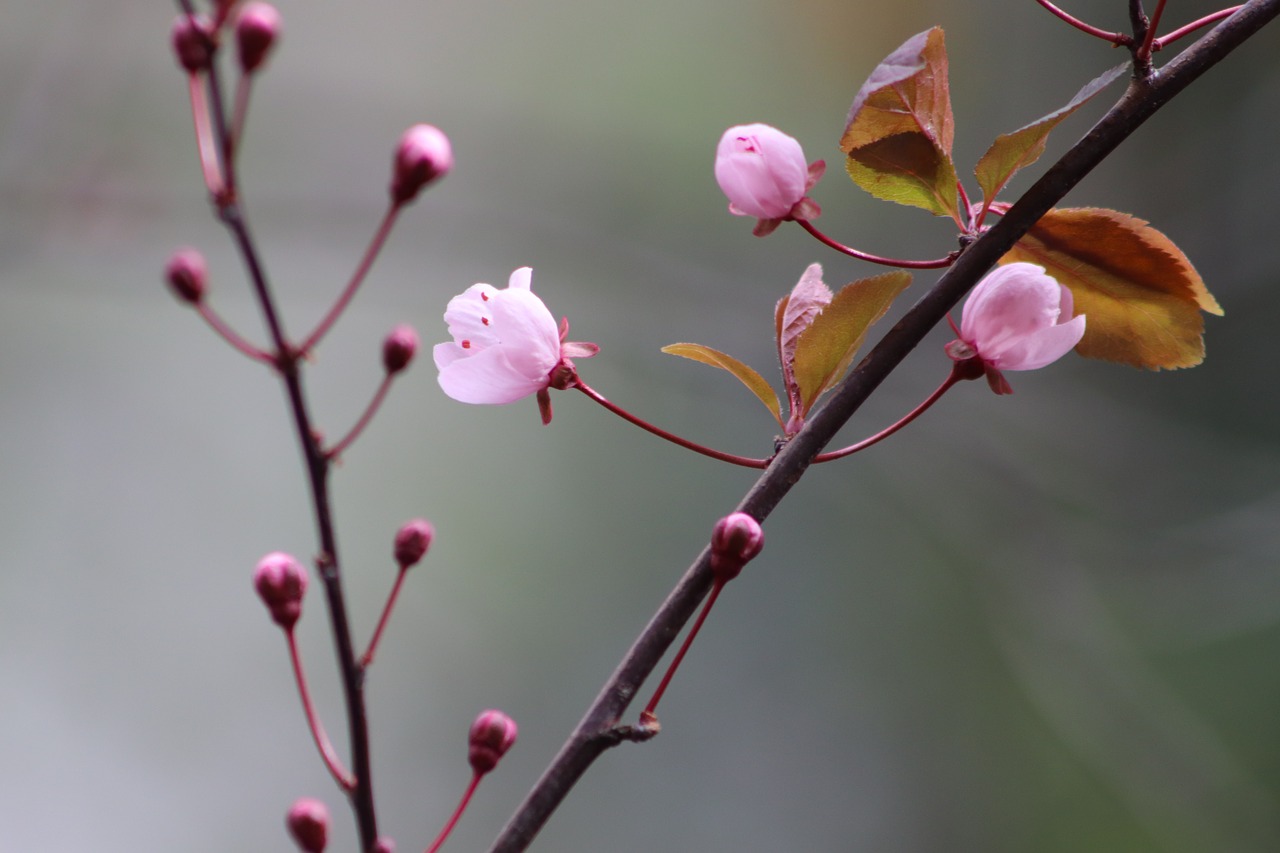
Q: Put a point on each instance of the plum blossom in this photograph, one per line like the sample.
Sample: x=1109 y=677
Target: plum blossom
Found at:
x=763 y=172
x=1017 y=318
x=505 y=346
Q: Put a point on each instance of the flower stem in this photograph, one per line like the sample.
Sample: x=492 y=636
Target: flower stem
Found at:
x=367 y=658
x=1116 y=39
x=233 y=338
x=331 y=760
x=734 y=459
x=876 y=259
x=457 y=813
x=371 y=253
x=919 y=410
x=1165 y=40
x=649 y=710
x=369 y=411
x=204 y=136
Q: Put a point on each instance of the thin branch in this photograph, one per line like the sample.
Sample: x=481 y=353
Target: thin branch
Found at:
x=592 y=736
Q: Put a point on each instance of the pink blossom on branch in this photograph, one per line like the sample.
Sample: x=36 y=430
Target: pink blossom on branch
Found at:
x=505 y=346
x=1017 y=318
x=763 y=172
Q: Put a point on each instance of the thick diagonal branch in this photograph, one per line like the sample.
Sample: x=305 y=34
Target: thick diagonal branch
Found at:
x=595 y=733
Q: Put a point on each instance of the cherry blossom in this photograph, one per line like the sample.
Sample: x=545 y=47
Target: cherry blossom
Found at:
x=505 y=346
x=763 y=172
x=1017 y=318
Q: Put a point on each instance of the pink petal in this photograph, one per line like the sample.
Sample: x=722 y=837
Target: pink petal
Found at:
x=487 y=377
x=1042 y=347
x=761 y=169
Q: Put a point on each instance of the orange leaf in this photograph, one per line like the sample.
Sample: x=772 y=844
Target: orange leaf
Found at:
x=900 y=129
x=1140 y=294
x=754 y=381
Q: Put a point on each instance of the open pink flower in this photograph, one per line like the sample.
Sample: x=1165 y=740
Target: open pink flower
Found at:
x=763 y=172
x=505 y=346
x=1017 y=318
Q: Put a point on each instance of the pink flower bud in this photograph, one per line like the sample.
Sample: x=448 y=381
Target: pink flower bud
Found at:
x=412 y=541
x=257 y=28
x=308 y=822
x=384 y=845
x=761 y=170
x=399 y=348
x=281 y=582
x=735 y=541
x=422 y=156
x=492 y=734
x=186 y=274
x=192 y=42
x=1017 y=318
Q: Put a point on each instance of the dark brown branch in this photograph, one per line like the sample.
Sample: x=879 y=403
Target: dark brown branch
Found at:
x=595 y=733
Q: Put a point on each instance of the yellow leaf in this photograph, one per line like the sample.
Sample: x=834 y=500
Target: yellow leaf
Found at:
x=1140 y=294
x=754 y=381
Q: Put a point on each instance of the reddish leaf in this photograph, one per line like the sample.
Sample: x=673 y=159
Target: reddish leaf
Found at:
x=1140 y=294
x=1013 y=151
x=900 y=129
x=826 y=349
x=754 y=381
x=792 y=316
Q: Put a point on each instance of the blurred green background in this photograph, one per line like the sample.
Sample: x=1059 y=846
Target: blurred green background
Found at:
x=1047 y=622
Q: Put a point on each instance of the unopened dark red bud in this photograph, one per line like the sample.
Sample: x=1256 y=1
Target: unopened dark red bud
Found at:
x=423 y=155
x=192 y=42
x=399 y=348
x=257 y=29
x=412 y=541
x=735 y=541
x=186 y=274
x=281 y=582
x=492 y=734
x=308 y=822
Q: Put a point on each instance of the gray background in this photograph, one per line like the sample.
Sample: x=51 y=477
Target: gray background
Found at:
x=1046 y=622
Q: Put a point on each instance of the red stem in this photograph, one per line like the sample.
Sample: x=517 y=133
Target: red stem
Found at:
x=371 y=253
x=367 y=658
x=1115 y=38
x=890 y=430
x=1144 y=52
x=204 y=136
x=331 y=760
x=876 y=259
x=232 y=337
x=457 y=813
x=688 y=641
x=734 y=459
x=369 y=411
x=1160 y=43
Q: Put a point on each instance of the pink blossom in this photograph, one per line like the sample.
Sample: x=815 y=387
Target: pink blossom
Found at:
x=505 y=345
x=1017 y=318
x=763 y=172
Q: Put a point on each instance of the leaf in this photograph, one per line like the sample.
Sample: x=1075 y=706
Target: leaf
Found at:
x=754 y=381
x=792 y=317
x=899 y=131
x=827 y=347
x=1013 y=151
x=1140 y=294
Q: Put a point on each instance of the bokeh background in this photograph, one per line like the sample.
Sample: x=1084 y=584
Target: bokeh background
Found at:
x=1048 y=622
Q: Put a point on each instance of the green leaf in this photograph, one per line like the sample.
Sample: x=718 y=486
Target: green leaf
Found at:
x=1140 y=295
x=1013 y=151
x=826 y=349
x=754 y=381
x=899 y=131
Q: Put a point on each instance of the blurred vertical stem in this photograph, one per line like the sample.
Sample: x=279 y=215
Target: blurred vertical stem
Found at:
x=598 y=729
x=287 y=361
